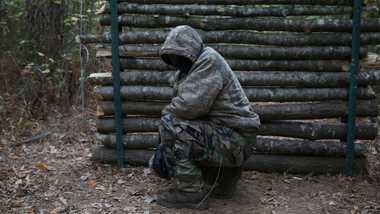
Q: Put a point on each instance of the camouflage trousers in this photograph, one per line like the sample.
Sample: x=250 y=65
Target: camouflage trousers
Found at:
x=196 y=143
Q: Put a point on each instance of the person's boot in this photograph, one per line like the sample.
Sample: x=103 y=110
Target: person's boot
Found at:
x=227 y=181
x=227 y=184
x=174 y=198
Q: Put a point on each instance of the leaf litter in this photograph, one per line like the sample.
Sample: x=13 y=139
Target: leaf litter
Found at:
x=56 y=175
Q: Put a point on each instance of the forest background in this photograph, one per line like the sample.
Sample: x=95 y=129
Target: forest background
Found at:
x=42 y=63
x=40 y=59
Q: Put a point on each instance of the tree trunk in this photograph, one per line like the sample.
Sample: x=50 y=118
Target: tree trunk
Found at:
x=248 y=65
x=230 y=10
x=232 y=51
x=307 y=130
x=44 y=25
x=258 y=162
x=144 y=93
x=243 y=2
x=241 y=37
x=267 y=112
x=248 y=78
x=259 y=24
x=267 y=145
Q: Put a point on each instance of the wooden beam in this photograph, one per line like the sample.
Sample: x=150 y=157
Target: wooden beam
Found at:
x=260 y=24
x=243 y=2
x=229 y=10
x=158 y=36
x=248 y=78
x=296 y=129
x=267 y=145
x=234 y=51
x=145 y=93
x=267 y=112
x=247 y=65
x=259 y=162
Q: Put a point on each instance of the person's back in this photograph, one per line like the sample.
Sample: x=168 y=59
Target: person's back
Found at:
x=210 y=89
x=202 y=125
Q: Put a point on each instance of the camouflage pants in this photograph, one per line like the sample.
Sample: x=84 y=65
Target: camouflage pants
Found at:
x=199 y=143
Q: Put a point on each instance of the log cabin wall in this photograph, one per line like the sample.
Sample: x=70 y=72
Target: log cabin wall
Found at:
x=291 y=56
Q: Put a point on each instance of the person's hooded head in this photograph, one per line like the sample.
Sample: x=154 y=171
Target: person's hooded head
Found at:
x=182 y=48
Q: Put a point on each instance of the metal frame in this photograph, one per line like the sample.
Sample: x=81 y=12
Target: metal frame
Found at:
x=355 y=67
x=117 y=83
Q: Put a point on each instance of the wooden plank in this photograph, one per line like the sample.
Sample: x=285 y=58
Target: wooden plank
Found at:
x=267 y=145
x=150 y=93
x=259 y=162
x=296 y=129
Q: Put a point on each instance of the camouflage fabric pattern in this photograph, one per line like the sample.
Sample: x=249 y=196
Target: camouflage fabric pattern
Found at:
x=210 y=90
x=208 y=111
x=198 y=143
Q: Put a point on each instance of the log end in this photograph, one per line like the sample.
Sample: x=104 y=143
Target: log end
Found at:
x=103 y=53
x=99 y=112
x=102 y=10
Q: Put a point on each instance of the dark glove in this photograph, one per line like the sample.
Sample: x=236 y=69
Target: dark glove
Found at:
x=163 y=162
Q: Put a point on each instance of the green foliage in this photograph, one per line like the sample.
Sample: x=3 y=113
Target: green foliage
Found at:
x=39 y=56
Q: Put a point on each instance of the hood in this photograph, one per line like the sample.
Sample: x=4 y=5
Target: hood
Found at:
x=182 y=41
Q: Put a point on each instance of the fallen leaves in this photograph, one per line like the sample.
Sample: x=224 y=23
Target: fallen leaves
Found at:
x=78 y=186
x=345 y=179
x=120 y=181
x=17 y=203
x=42 y=166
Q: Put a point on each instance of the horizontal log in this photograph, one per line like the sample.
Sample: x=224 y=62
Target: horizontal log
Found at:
x=258 y=162
x=131 y=124
x=106 y=108
x=141 y=93
x=233 y=51
x=243 y=2
x=303 y=164
x=229 y=10
x=267 y=145
x=131 y=140
x=241 y=37
x=248 y=78
x=248 y=65
x=132 y=157
x=316 y=130
x=229 y=23
x=306 y=130
x=267 y=112
x=134 y=77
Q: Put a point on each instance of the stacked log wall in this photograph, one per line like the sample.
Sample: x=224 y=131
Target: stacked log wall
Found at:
x=292 y=58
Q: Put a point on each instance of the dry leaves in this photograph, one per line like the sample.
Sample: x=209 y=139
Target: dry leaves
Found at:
x=42 y=166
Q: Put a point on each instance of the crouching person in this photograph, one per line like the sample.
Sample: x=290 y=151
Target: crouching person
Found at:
x=202 y=147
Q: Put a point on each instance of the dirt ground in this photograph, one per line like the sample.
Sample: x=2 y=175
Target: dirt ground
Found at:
x=55 y=175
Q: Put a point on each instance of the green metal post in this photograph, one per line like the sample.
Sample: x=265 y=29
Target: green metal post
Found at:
x=116 y=83
x=357 y=9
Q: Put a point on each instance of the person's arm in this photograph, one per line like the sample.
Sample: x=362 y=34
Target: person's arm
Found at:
x=197 y=92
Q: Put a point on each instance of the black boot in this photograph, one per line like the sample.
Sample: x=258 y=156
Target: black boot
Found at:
x=226 y=183
x=174 y=198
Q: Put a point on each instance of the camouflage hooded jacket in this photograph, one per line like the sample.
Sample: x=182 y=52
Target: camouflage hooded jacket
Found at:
x=210 y=90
